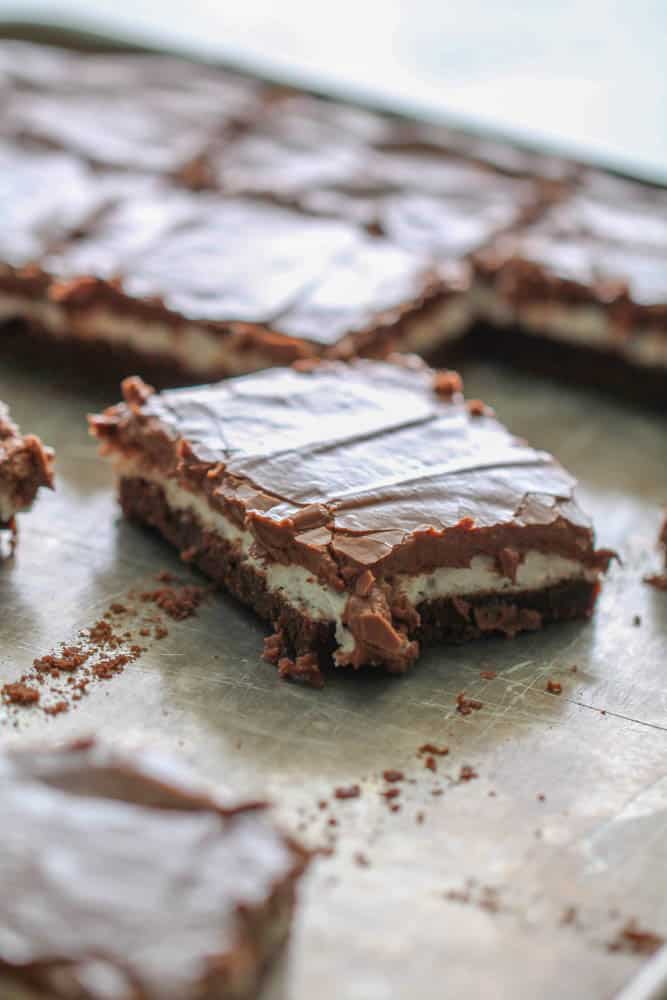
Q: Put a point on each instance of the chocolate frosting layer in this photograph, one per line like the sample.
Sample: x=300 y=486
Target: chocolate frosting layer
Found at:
x=351 y=467
x=120 y=880
x=218 y=260
x=608 y=239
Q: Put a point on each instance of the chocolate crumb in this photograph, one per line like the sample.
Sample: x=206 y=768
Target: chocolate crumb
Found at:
x=349 y=792
x=447 y=383
x=541 y=797
x=305 y=669
x=632 y=938
x=322 y=804
x=57 y=708
x=554 y=687
x=433 y=748
x=466 y=705
x=390 y=793
x=488 y=675
x=395 y=807
x=467 y=773
x=176 y=602
x=19 y=693
x=332 y=821
x=657 y=580
x=273 y=646
x=476 y=408
x=361 y=860
x=431 y=763
x=392 y=775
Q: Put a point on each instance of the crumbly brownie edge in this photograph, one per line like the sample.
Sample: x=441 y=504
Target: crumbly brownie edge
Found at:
x=450 y=619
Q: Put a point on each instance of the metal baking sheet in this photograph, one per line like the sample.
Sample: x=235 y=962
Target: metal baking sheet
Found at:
x=478 y=899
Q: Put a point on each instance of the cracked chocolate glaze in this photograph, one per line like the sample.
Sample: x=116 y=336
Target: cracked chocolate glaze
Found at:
x=208 y=259
x=120 y=879
x=606 y=242
x=358 y=472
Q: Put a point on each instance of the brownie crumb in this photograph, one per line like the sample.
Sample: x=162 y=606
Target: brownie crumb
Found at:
x=57 y=708
x=657 y=580
x=395 y=807
x=69 y=659
x=554 y=687
x=430 y=763
x=632 y=938
x=322 y=804
x=392 y=775
x=466 y=705
x=161 y=632
x=541 y=797
x=467 y=773
x=361 y=859
x=20 y=694
x=305 y=669
x=273 y=647
x=390 y=793
x=447 y=383
x=349 y=792
x=476 y=408
x=488 y=675
x=176 y=602
x=433 y=749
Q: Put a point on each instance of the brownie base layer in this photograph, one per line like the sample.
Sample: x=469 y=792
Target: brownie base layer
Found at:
x=570 y=364
x=454 y=619
x=32 y=346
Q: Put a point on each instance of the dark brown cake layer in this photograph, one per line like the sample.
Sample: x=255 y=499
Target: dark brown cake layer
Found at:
x=453 y=619
x=120 y=878
x=606 y=372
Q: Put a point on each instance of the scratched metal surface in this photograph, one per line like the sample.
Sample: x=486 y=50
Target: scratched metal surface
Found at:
x=599 y=840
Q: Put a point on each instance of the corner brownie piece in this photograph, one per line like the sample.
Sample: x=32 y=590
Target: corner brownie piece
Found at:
x=25 y=465
x=358 y=507
x=119 y=879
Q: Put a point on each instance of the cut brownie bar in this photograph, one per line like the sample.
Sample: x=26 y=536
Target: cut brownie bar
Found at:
x=119 y=879
x=357 y=507
x=591 y=273
x=25 y=465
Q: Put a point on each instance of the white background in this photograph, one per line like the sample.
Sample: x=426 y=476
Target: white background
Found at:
x=587 y=77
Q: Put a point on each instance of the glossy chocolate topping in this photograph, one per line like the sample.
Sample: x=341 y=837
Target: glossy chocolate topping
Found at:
x=348 y=467
x=234 y=260
x=119 y=880
x=609 y=237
